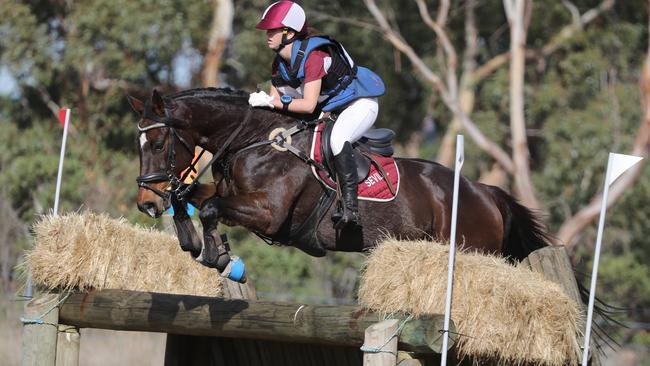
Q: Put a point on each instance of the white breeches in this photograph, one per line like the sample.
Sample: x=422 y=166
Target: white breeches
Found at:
x=353 y=122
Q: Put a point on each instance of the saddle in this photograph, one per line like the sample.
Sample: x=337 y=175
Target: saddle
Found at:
x=375 y=141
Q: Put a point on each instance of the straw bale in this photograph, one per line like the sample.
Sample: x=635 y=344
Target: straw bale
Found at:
x=505 y=314
x=89 y=250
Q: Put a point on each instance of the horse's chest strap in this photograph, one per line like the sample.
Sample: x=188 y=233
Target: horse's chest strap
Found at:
x=280 y=140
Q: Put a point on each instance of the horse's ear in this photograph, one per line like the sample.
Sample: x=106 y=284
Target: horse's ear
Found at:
x=170 y=103
x=157 y=103
x=136 y=104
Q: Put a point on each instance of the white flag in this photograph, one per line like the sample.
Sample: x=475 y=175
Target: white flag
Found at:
x=619 y=164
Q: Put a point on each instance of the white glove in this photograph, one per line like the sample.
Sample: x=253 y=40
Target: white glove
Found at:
x=260 y=99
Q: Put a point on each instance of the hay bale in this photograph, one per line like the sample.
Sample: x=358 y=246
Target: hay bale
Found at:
x=509 y=315
x=90 y=250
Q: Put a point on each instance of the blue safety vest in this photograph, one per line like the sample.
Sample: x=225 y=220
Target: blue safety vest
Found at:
x=343 y=83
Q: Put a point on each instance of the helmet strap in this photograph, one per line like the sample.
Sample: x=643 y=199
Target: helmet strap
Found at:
x=284 y=41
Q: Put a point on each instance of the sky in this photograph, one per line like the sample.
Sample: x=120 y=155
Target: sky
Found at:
x=7 y=83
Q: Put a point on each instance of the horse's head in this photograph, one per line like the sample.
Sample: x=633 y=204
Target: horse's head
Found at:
x=166 y=149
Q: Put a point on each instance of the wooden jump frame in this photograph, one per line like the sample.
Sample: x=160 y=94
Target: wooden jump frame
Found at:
x=234 y=331
x=317 y=325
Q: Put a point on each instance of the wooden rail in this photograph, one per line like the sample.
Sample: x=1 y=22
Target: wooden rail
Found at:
x=234 y=318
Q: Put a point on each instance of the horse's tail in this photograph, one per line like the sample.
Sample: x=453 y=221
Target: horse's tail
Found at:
x=523 y=229
x=524 y=233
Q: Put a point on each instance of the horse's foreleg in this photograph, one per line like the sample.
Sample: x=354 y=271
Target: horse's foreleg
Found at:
x=214 y=253
x=187 y=237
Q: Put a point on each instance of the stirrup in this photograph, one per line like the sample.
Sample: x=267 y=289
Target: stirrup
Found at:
x=340 y=220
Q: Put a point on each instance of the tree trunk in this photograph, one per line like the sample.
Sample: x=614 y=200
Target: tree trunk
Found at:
x=518 y=12
x=466 y=94
x=219 y=33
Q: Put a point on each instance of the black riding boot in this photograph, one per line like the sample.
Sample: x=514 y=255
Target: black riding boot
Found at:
x=346 y=177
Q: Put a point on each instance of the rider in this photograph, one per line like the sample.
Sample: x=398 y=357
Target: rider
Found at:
x=314 y=73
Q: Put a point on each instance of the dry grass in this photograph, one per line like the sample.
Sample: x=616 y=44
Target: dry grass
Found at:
x=83 y=251
x=509 y=315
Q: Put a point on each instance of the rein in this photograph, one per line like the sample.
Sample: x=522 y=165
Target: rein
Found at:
x=181 y=193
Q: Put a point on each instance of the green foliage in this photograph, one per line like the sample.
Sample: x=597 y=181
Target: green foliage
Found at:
x=581 y=101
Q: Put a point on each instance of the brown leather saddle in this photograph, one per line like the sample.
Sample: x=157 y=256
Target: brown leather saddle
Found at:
x=376 y=141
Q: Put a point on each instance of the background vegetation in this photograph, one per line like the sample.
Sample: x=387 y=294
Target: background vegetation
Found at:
x=581 y=101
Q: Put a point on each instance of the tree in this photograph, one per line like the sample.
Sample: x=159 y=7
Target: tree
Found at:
x=518 y=14
x=220 y=32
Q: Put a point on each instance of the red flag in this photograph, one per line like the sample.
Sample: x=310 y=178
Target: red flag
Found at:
x=63 y=114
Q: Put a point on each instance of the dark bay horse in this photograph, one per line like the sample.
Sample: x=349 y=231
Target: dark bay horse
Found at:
x=271 y=193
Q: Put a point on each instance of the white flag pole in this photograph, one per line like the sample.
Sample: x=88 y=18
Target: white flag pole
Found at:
x=61 y=158
x=29 y=289
x=617 y=164
x=594 y=271
x=460 y=158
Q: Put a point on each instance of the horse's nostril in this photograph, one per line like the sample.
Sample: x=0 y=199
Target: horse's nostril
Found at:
x=149 y=208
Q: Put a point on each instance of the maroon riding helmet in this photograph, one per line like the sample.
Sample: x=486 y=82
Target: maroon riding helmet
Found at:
x=283 y=14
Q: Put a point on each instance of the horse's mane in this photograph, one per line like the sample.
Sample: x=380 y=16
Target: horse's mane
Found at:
x=225 y=94
x=228 y=96
x=233 y=101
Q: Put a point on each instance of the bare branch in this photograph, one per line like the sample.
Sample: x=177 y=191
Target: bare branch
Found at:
x=575 y=13
x=466 y=93
x=351 y=21
x=443 y=12
x=562 y=36
x=398 y=42
x=509 y=6
x=570 y=30
x=452 y=58
x=47 y=99
x=450 y=101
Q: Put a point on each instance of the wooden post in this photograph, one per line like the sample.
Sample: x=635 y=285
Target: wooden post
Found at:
x=67 y=346
x=40 y=328
x=381 y=336
x=553 y=262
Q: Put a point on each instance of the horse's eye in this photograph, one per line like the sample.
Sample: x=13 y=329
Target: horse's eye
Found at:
x=158 y=146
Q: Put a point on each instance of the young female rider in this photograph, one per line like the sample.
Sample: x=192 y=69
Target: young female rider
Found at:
x=315 y=73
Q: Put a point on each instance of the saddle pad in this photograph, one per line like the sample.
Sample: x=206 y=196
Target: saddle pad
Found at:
x=374 y=187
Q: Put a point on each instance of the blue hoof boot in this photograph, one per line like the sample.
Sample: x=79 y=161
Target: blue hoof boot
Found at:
x=236 y=270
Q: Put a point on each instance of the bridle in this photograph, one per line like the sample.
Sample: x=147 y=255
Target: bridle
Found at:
x=168 y=121
x=178 y=189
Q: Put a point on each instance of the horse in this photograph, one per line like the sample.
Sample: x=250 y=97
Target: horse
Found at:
x=275 y=195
